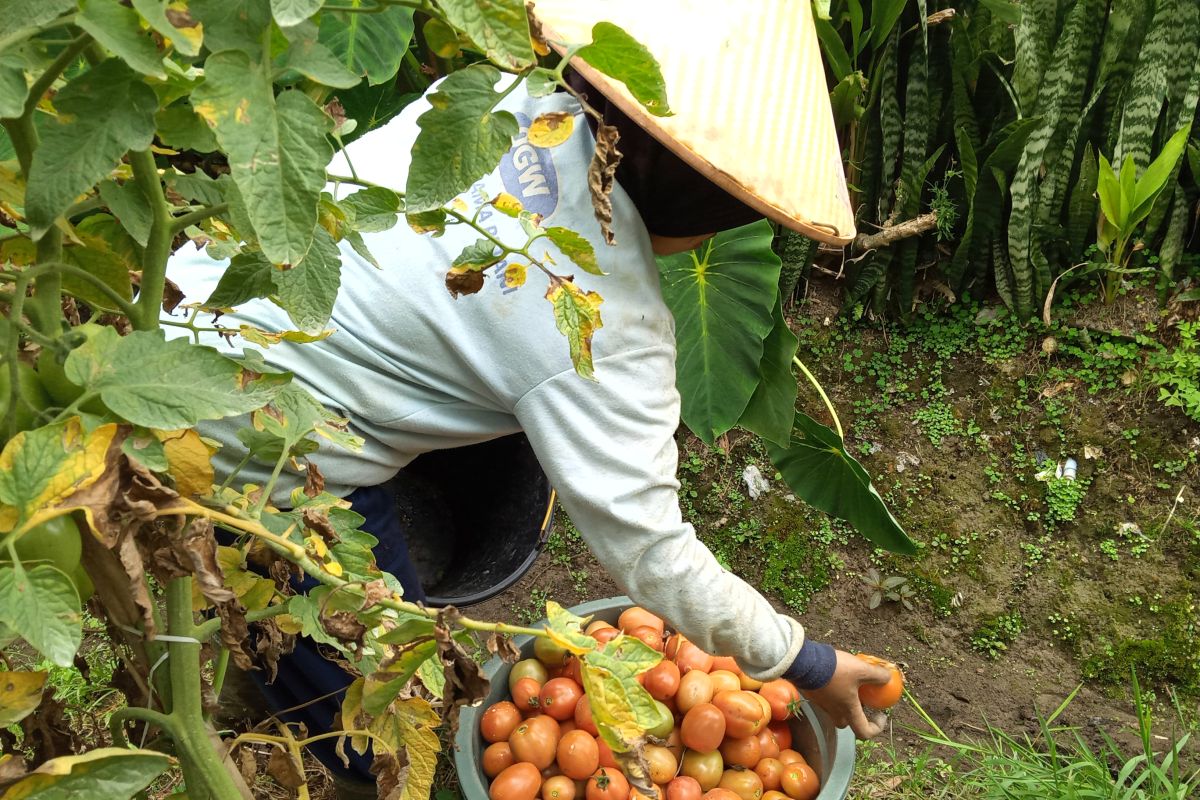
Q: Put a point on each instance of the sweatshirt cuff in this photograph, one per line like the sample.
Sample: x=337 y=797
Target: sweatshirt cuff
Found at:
x=814 y=665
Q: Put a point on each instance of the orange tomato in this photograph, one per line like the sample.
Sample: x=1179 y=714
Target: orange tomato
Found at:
x=743 y=782
x=689 y=657
x=675 y=744
x=497 y=757
x=671 y=647
x=695 y=687
x=559 y=697
x=596 y=625
x=886 y=695
x=560 y=787
x=684 y=788
x=607 y=784
x=573 y=669
x=606 y=754
x=650 y=636
x=743 y=714
x=578 y=755
x=637 y=617
x=766 y=707
x=726 y=663
x=789 y=756
x=744 y=752
x=774 y=794
x=663 y=680
x=748 y=683
x=767 y=746
x=583 y=716
x=780 y=694
x=662 y=762
x=800 y=782
x=605 y=635
x=525 y=695
x=567 y=725
x=703 y=728
x=724 y=681
x=535 y=741
x=720 y=794
x=518 y=782
x=499 y=721
x=770 y=772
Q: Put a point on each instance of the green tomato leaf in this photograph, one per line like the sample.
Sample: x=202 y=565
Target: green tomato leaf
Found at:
x=722 y=297
x=249 y=275
x=478 y=256
x=383 y=685
x=41 y=469
x=20 y=695
x=577 y=248
x=167 y=384
x=500 y=29
x=621 y=707
x=179 y=127
x=233 y=24
x=120 y=29
x=368 y=44
x=293 y=12
x=100 y=260
x=461 y=139
x=42 y=607
x=17 y=14
x=102 y=113
x=308 y=290
x=373 y=210
x=541 y=82
x=186 y=37
x=577 y=316
x=819 y=470
x=13 y=88
x=773 y=404
x=277 y=148
x=293 y=414
x=129 y=205
x=107 y=772
x=316 y=61
x=618 y=55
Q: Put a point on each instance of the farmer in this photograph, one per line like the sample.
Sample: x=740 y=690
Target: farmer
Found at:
x=416 y=369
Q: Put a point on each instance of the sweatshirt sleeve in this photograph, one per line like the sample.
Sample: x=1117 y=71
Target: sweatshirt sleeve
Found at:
x=608 y=448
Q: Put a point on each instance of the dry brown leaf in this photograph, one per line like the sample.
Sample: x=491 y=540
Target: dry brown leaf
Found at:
x=317 y=520
x=501 y=645
x=460 y=280
x=314 y=481
x=287 y=771
x=601 y=175
x=465 y=682
x=390 y=772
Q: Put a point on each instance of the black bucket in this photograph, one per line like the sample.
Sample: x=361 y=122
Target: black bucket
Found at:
x=475 y=518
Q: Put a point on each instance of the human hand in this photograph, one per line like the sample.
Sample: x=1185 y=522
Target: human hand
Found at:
x=839 y=697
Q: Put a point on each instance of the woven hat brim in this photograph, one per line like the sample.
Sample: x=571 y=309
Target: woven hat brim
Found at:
x=747 y=85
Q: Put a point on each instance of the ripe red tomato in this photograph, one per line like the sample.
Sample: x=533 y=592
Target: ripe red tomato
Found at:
x=706 y=768
x=885 y=695
x=518 y=782
x=780 y=694
x=525 y=694
x=578 y=755
x=703 y=728
x=596 y=625
x=573 y=669
x=560 y=787
x=497 y=757
x=774 y=794
x=637 y=617
x=499 y=721
x=605 y=635
x=695 y=687
x=583 y=716
x=745 y=752
x=684 y=788
x=726 y=663
x=789 y=756
x=770 y=772
x=800 y=782
x=782 y=733
x=662 y=762
x=744 y=783
x=662 y=680
x=767 y=746
x=607 y=784
x=720 y=794
x=743 y=714
x=651 y=637
x=559 y=697
x=535 y=741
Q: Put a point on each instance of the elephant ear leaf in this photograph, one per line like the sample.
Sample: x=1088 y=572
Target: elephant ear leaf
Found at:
x=816 y=466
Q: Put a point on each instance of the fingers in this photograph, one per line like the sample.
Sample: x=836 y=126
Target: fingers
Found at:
x=865 y=727
x=876 y=674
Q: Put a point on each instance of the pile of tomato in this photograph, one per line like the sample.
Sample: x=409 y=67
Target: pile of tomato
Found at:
x=725 y=735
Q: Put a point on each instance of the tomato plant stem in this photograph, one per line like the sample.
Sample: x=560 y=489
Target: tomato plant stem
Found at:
x=199 y=215
x=158 y=248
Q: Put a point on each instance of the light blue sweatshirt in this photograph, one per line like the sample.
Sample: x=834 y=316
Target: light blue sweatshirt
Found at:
x=417 y=370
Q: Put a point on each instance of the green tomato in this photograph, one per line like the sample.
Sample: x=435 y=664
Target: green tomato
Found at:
x=55 y=542
x=83 y=583
x=529 y=668
x=663 y=729
x=549 y=653
x=33 y=397
x=54 y=376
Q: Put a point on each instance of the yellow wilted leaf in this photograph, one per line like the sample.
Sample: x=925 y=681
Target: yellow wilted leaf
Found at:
x=315 y=544
x=577 y=315
x=334 y=568
x=410 y=724
x=42 y=468
x=505 y=203
x=566 y=630
x=514 y=275
x=551 y=129
x=20 y=695
x=189 y=460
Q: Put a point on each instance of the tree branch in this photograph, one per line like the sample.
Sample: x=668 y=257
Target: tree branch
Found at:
x=895 y=233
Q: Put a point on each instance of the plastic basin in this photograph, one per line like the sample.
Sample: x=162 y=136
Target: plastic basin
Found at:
x=828 y=750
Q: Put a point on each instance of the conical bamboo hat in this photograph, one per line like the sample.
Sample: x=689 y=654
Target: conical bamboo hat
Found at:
x=747 y=86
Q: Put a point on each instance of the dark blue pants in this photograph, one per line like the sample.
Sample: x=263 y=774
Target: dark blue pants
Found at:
x=305 y=674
